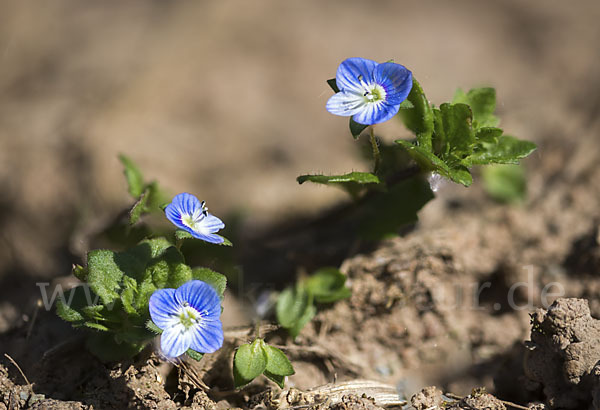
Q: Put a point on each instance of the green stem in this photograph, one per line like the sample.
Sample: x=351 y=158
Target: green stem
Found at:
x=376 y=153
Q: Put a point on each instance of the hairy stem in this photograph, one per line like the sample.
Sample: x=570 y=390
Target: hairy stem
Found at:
x=375 y=147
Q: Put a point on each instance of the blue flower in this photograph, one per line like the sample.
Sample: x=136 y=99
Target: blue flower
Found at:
x=188 y=213
x=189 y=318
x=369 y=92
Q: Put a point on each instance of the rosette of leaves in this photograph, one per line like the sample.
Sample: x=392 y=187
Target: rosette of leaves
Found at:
x=459 y=135
x=256 y=358
x=112 y=302
x=296 y=305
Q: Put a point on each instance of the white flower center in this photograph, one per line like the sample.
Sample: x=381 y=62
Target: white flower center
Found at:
x=188 y=317
x=372 y=92
x=193 y=220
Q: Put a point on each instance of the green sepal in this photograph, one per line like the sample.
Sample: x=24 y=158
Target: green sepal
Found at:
x=133 y=175
x=333 y=84
x=505 y=183
x=197 y=356
x=214 y=279
x=249 y=362
x=353 y=182
x=483 y=104
x=277 y=379
x=96 y=326
x=419 y=117
x=356 y=129
x=277 y=362
x=508 y=150
x=327 y=285
x=151 y=326
x=80 y=272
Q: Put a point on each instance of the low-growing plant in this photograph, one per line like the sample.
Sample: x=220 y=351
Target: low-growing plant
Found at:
x=127 y=297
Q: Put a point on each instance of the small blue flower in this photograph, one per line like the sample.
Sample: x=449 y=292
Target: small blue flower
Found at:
x=189 y=318
x=369 y=92
x=188 y=213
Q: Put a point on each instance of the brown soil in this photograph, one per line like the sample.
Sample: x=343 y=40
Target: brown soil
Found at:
x=227 y=99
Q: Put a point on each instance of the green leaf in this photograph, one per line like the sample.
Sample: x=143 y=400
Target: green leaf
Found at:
x=139 y=208
x=279 y=380
x=508 y=150
x=356 y=129
x=333 y=84
x=418 y=118
x=197 y=356
x=426 y=160
x=461 y=175
x=292 y=303
x=505 y=183
x=483 y=104
x=457 y=128
x=327 y=285
x=128 y=294
x=352 y=182
x=488 y=135
x=134 y=177
x=250 y=361
x=104 y=275
x=306 y=317
x=277 y=362
x=214 y=279
x=106 y=348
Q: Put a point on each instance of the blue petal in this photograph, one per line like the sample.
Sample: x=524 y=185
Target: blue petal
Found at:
x=375 y=113
x=175 y=340
x=345 y=103
x=207 y=337
x=395 y=79
x=211 y=223
x=164 y=308
x=201 y=296
x=207 y=237
x=181 y=205
x=349 y=71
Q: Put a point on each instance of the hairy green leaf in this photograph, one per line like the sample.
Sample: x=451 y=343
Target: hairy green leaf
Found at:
x=135 y=180
x=483 y=104
x=419 y=117
x=508 y=150
x=352 y=182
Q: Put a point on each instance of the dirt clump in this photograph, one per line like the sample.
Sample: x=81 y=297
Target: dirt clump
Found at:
x=563 y=357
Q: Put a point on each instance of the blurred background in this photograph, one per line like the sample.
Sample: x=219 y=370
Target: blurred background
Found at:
x=226 y=100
